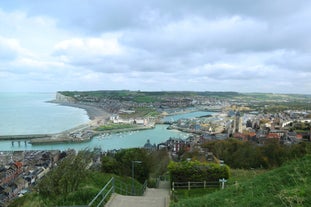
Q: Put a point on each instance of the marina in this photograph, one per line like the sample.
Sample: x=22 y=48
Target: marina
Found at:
x=105 y=141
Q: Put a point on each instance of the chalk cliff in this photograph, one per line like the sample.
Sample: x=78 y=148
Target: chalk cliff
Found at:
x=64 y=99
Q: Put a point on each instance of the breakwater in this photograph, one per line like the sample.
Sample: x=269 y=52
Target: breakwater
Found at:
x=24 y=136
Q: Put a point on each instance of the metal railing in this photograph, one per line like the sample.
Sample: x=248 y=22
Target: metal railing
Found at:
x=106 y=191
x=114 y=186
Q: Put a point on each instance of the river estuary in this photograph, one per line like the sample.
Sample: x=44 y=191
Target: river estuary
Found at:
x=158 y=134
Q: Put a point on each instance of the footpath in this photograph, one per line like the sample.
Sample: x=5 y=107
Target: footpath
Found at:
x=154 y=197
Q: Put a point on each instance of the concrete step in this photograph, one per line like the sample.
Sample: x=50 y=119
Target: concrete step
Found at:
x=152 y=198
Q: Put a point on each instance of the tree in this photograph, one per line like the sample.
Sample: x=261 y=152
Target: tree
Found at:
x=66 y=177
x=122 y=160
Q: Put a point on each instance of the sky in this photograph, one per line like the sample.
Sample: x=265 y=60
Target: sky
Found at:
x=156 y=45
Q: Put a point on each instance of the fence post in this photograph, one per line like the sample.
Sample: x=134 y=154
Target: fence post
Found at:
x=189 y=185
x=204 y=184
x=222 y=181
x=173 y=186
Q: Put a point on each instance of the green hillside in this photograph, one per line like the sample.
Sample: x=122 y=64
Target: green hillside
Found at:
x=289 y=185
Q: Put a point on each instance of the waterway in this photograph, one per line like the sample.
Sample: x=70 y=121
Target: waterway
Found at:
x=54 y=113
x=30 y=113
x=110 y=141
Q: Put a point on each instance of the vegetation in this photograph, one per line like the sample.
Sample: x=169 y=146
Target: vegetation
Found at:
x=197 y=171
x=152 y=165
x=289 y=185
x=120 y=163
x=113 y=126
x=238 y=154
x=300 y=126
x=141 y=112
x=67 y=177
x=71 y=183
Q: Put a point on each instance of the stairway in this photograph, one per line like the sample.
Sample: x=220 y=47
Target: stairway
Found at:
x=154 y=197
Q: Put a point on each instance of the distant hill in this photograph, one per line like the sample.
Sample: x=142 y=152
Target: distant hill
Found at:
x=151 y=96
x=289 y=185
x=115 y=99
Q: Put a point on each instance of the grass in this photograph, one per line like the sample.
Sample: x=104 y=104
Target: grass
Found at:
x=289 y=185
x=141 y=112
x=237 y=175
x=114 y=127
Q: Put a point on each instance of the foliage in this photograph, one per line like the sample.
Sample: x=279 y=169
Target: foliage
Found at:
x=238 y=154
x=113 y=126
x=159 y=161
x=122 y=161
x=66 y=178
x=289 y=185
x=301 y=126
x=197 y=171
x=141 y=112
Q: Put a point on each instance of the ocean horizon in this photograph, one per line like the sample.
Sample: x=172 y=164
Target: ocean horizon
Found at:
x=31 y=113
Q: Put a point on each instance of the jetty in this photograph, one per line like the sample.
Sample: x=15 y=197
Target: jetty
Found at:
x=24 y=136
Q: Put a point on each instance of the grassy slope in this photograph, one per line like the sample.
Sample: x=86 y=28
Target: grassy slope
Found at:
x=289 y=185
x=87 y=191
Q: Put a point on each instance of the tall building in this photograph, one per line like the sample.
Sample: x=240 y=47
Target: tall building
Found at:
x=237 y=123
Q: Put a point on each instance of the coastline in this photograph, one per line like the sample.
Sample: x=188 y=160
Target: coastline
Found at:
x=84 y=132
x=81 y=133
x=93 y=112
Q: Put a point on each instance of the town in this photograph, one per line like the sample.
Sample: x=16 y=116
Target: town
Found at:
x=231 y=118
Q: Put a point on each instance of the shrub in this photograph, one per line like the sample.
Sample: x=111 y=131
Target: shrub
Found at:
x=197 y=171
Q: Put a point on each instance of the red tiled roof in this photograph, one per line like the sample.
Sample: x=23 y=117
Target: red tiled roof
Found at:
x=273 y=136
x=299 y=136
x=18 y=164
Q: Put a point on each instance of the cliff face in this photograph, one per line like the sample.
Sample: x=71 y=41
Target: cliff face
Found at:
x=64 y=99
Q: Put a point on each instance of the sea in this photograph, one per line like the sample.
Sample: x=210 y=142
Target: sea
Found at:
x=31 y=113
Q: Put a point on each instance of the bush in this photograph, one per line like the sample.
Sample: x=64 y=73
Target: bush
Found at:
x=247 y=155
x=197 y=171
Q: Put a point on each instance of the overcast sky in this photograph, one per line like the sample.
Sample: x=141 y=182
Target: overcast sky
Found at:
x=155 y=45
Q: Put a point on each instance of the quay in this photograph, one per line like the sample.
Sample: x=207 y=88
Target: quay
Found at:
x=24 y=136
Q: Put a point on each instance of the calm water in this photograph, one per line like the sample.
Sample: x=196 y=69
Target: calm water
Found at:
x=107 y=142
x=29 y=113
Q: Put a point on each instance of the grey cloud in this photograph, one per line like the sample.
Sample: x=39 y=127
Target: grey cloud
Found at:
x=99 y=16
x=207 y=44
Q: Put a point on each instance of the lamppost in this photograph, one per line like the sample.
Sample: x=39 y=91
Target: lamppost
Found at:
x=133 y=166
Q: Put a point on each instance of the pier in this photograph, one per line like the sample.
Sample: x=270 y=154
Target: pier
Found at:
x=24 y=137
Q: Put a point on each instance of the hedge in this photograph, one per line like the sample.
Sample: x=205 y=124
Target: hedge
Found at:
x=197 y=171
